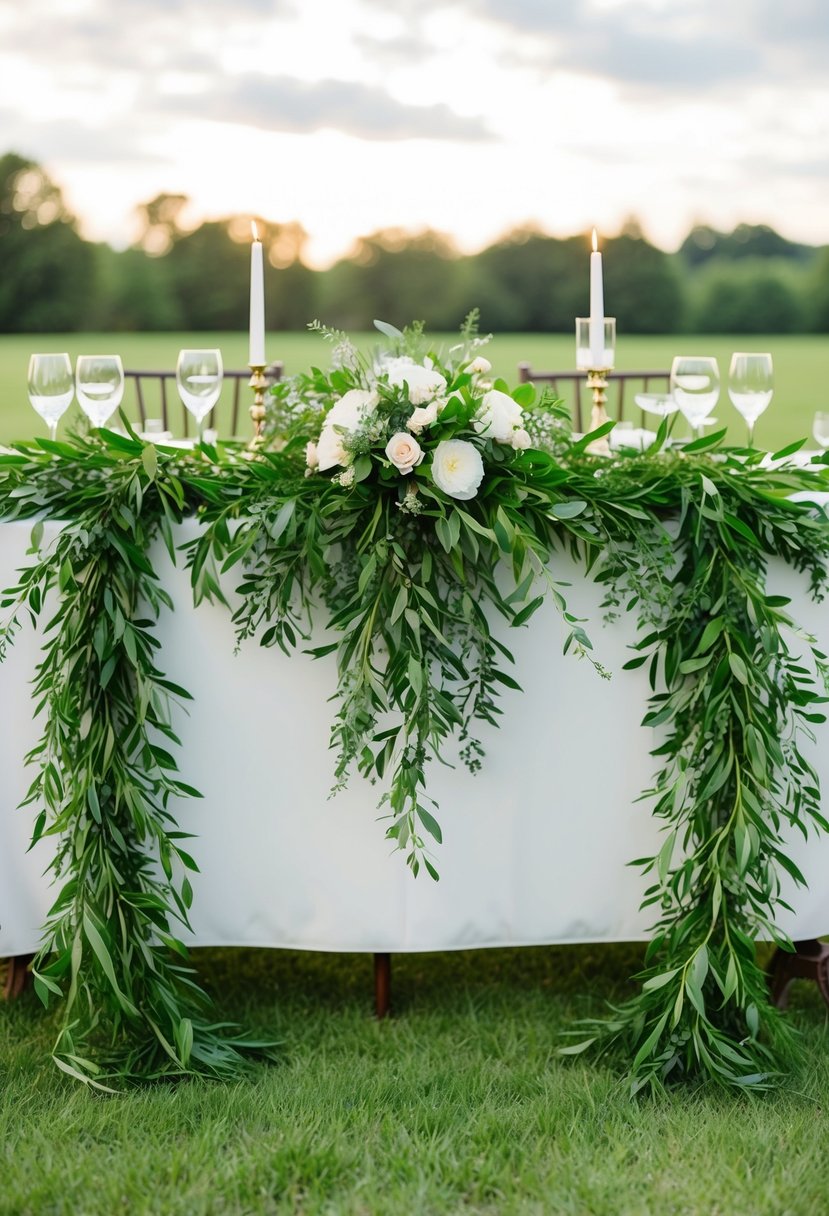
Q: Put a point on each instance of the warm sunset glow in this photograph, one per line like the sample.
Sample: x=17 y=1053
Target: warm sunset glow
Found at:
x=426 y=115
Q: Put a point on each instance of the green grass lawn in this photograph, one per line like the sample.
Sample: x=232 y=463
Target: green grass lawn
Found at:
x=456 y=1104
x=801 y=368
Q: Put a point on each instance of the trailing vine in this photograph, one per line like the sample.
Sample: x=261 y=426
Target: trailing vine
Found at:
x=736 y=686
x=104 y=774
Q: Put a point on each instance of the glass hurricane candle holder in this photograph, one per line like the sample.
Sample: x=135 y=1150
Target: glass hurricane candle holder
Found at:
x=588 y=359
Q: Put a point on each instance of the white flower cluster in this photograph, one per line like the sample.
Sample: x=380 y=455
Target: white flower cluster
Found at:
x=456 y=464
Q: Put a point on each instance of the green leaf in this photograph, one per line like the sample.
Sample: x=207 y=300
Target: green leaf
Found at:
x=430 y=823
x=389 y=330
x=738 y=667
x=569 y=509
x=415 y=672
x=149 y=459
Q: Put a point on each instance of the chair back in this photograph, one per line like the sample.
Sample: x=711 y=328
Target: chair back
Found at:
x=618 y=383
x=156 y=391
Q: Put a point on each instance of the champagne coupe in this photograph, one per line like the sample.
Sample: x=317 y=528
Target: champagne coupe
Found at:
x=750 y=386
x=51 y=388
x=695 y=387
x=99 y=382
x=820 y=429
x=199 y=379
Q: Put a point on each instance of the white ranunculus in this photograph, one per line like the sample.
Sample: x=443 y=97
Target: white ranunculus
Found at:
x=424 y=383
x=311 y=455
x=330 y=449
x=404 y=452
x=478 y=364
x=498 y=416
x=423 y=415
x=457 y=468
x=521 y=439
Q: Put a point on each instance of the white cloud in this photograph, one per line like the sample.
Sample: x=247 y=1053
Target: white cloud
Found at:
x=466 y=115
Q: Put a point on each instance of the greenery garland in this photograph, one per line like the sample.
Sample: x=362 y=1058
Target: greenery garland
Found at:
x=405 y=584
x=131 y=1008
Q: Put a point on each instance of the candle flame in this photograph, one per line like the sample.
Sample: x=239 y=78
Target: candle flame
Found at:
x=255 y=230
x=595 y=242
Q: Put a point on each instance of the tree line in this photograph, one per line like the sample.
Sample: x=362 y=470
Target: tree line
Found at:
x=752 y=280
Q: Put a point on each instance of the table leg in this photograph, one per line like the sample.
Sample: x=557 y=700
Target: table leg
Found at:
x=810 y=961
x=382 y=985
x=17 y=975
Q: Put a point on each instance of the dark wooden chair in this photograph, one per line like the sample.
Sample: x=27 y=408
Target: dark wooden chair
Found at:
x=152 y=388
x=618 y=383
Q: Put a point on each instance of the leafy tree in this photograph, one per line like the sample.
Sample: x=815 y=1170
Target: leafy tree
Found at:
x=48 y=276
x=396 y=277
x=704 y=243
x=642 y=288
x=818 y=293
x=760 y=296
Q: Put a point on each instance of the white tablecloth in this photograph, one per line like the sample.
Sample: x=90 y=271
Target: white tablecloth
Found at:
x=535 y=847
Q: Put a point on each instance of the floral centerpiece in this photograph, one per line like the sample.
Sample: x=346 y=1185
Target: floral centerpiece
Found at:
x=423 y=473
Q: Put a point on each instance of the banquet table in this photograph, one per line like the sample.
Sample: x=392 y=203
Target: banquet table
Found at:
x=535 y=846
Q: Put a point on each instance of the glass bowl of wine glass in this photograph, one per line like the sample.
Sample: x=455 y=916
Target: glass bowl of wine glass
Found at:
x=99 y=383
x=750 y=386
x=51 y=387
x=695 y=387
x=199 y=379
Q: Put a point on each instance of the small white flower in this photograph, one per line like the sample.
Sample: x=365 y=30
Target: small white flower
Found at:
x=521 y=439
x=423 y=415
x=424 y=384
x=498 y=416
x=311 y=455
x=346 y=478
x=457 y=468
x=478 y=364
x=404 y=452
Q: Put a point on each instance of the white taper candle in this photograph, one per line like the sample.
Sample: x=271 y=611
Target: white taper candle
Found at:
x=596 y=307
x=256 y=357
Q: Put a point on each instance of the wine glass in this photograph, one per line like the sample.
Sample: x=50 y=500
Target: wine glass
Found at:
x=51 y=388
x=99 y=383
x=695 y=387
x=199 y=380
x=750 y=386
x=820 y=429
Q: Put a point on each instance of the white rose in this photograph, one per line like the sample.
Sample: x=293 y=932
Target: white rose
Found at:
x=423 y=415
x=478 y=364
x=457 y=468
x=404 y=452
x=345 y=415
x=351 y=409
x=424 y=384
x=521 y=439
x=330 y=450
x=498 y=416
x=311 y=455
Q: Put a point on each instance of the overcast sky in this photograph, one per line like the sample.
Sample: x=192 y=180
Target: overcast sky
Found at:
x=469 y=116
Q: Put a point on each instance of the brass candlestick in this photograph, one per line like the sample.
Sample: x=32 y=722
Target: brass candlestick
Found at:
x=589 y=350
x=257 y=411
x=597 y=384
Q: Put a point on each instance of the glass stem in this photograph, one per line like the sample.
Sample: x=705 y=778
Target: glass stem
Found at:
x=751 y=434
x=53 y=431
